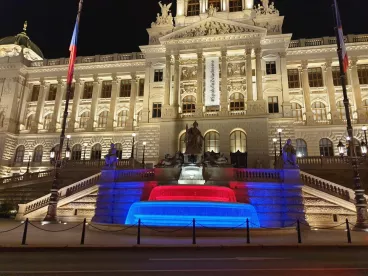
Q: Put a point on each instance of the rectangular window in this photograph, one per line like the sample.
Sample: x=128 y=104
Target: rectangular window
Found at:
x=193 y=8
x=235 y=5
x=293 y=78
x=52 y=92
x=270 y=67
x=72 y=90
x=363 y=73
x=88 y=90
x=156 y=110
x=336 y=75
x=273 y=105
x=106 y=89
x=141 y=88
x=159 y=75
x=35 y=93
x=125 y=88
x=315 y=77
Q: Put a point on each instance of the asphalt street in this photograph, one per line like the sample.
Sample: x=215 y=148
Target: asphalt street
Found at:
x=183 y=261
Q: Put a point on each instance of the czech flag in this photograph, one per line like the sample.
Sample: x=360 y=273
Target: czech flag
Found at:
x=73 y=46
x=340 y=37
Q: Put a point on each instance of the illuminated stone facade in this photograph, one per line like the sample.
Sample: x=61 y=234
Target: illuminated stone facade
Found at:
x=267 y=81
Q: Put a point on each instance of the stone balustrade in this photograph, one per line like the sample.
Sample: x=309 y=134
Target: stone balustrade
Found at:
x=318 y=162
x=326 y=41
x=63 y=193
x=26 y=177
x=257 y=175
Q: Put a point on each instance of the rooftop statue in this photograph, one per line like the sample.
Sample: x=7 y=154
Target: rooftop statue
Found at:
x=266 y=8
x=212 y=11
x=194 y=140
x=165 y=9
x=165 y=18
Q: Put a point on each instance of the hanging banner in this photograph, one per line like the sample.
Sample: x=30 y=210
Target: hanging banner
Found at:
x=212 y=95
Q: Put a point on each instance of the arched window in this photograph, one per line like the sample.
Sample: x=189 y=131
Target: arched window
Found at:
x=182 y=144
x=119 y=150
x=365 y=106
x=193 y=7
x=19 y=154
x=301 y=148
x=358 y=149
x=235 y=5
x=189 y=104
x=83 y=122
x=319 y=111
x=102 y=119
x=96 y=152
x=38 y=153
x=29 y=122
x=215 y=3
x=297 y=111
x=238 y=141
x=326 y=147
x=47 y=121
x=341 y=108
x=236 y=102
x=122 y=118
x=212 y=142
x=77 y=152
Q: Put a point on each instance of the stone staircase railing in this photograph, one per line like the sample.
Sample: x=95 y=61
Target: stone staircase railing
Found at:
x=328 y=187
x=26 y=177
x=63 y=193
x=318 y=162
x=257 y=175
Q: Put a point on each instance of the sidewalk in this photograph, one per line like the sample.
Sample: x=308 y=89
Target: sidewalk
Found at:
x=72 y=238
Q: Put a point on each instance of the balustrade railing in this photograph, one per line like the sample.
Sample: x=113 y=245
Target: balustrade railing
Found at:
x=327 y=41
x=26 y=177
x=123 y=163
x=317 y=162
x=257 y=175
x=63 y=193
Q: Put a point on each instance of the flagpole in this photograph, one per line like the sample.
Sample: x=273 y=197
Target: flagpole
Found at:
x=360 y=201
x=51 y=216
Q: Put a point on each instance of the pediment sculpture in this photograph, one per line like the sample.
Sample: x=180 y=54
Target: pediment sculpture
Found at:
x=166 y=18
x=266 y=8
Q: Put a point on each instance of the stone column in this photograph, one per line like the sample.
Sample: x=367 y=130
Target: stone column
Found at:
x=147 y=88
x=357 y=90
x=259 y=74
x=40 y=106
x=76 y=100
x=167 y=80
x=306 y=93
x=248 y=57
x=331 y=93
x=114 y=97
x=176 y=82
x=199 y=96
x=22 y=110
x=96 y=94
x=286 y=105
x=224 y=93
x=61 y=88
x=133 y=98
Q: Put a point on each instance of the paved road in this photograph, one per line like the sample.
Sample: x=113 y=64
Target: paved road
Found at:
x=185 y=261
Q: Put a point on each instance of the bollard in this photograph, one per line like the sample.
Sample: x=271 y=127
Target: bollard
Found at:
x=24 y=239
x=139 y=232
x=83 y=232
x=194 y=232
x=348 y=231
x=248 y=234
x=298 y=229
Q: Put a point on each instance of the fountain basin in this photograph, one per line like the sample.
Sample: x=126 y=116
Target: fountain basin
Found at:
x=181 y=214
x=192 y=193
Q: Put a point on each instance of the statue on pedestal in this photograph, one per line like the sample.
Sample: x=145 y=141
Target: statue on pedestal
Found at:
x=194 y=140
x=289 y=155
x=111 y=159
x=165 y=18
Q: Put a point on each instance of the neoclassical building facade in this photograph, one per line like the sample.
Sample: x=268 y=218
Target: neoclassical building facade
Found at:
x=224 y=63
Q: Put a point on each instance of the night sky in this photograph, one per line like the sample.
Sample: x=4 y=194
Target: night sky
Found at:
x=119 y=26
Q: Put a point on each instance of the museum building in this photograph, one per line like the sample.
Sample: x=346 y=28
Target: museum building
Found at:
x=223 y=63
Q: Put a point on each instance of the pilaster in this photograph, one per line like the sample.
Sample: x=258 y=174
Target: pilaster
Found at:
x=75 y=107
x=133 y=98
x=199 y=96
x=171 y=111
x=96 y=94
x=224 y=92
x=248 y=57
x=306 y=93
x=362 y=117
x=331 y=93
x=40 y=106
x=286 y=105
x=147 y=92
x=114 y=96
x=58 y=100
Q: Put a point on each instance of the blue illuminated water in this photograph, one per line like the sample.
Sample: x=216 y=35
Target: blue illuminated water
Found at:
x=181 y=213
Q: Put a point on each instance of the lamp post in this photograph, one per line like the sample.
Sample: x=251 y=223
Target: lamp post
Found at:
x=363 y=147
x=29 y=162
x=144 y=150
x=274 y=148
x=279 y=132
x=67 y=150
x=364 y=128
x=84 y=154
x=52 y=155
x=132 y=153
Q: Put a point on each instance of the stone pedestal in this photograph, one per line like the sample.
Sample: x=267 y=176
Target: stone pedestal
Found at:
x=191 y=175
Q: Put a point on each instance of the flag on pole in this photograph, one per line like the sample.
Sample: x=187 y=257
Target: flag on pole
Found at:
x=73 y=46
x=340 y=37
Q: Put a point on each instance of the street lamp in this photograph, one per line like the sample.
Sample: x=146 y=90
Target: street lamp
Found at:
x=364 y=128
x=341 y=148
x=144 y=150
x=67 y=150
x=29 y=162
x=84 y=154
x=274 y=148
x=132 y=153
x=279 y=132
x=363 y=147
x=52 y=154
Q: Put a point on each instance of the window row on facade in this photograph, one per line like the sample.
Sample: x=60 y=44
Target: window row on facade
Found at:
x=194 y=7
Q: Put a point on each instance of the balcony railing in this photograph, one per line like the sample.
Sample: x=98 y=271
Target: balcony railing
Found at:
x=327 y=41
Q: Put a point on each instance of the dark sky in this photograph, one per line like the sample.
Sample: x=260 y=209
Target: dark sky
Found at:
x=119 y=26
